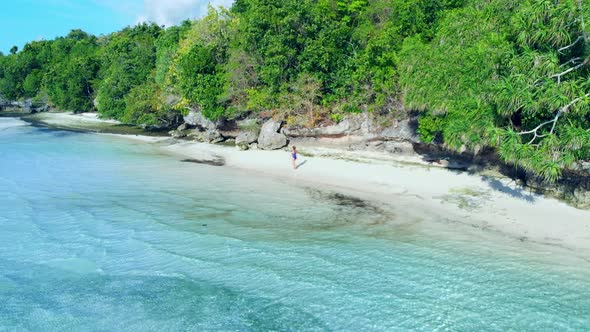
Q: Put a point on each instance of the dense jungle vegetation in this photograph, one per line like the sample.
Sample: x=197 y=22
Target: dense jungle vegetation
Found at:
x=512 y=75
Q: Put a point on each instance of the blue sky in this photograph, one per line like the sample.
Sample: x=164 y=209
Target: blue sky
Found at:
x=22 y=21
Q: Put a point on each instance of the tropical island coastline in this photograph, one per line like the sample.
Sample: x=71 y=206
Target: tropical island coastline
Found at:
x=345 y=165
x=490 y=79
x=486 y=202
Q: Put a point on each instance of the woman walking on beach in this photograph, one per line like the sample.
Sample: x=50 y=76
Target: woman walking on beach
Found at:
x=294 y=157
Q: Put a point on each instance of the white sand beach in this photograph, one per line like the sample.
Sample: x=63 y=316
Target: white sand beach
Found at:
x=490 y=203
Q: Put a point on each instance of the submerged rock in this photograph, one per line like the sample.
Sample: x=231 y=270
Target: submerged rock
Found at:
x=218 y=161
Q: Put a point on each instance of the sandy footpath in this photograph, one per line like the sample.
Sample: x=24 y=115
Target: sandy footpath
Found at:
x=496 y=204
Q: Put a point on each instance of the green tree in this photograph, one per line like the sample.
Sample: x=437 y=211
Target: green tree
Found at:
x=127 y=59
x=73 y=69
x=197 y=70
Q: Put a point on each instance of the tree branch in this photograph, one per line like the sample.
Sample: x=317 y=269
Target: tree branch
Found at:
x=582 y=37
x=574 y=60
x=571 y=23
x=553 y=122
x=559 y=75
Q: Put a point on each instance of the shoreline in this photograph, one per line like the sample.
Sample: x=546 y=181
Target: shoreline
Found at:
x=80 y=122
x=485 y=203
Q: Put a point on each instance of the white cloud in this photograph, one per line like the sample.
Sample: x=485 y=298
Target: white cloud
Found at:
x=171 y=12
x=125 y=7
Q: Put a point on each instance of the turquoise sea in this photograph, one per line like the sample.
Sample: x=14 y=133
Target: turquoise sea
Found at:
x=99 y=233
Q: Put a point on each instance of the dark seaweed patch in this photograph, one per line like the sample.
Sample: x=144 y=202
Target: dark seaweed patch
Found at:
x=212 y=162
x=351 y=207
x=345 y=200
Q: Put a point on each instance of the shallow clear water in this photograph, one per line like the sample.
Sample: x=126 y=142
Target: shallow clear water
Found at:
x=99 y=233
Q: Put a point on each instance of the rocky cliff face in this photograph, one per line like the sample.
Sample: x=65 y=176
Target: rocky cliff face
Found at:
x=354 y=132
x=359 y=132
x=26 y=106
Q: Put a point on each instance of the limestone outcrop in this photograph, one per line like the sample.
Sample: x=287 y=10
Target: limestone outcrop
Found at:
x=270 y=138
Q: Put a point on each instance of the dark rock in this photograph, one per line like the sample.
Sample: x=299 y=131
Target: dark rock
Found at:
x=213 y=162
x=228 y=128
x=230 y=134
x=270 y=138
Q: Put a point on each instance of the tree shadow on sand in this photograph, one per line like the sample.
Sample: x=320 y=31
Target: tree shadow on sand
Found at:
x=519 y=193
